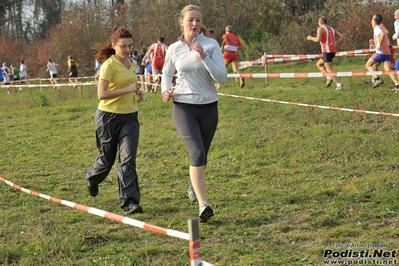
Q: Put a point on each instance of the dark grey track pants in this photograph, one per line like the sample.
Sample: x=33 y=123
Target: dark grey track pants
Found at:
x=113 y=132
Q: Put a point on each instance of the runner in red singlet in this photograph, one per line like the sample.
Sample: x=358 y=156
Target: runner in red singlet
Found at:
x=230 y=44
x=326 y=36
x=158 y=50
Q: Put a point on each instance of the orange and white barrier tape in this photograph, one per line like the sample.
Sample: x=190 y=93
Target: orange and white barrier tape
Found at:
x=246 y=64
x=263 y=60
x=298 y=58
x=343 y=53
x=58 y=85
x=49 y=85
x=114 y=217
x=310 y=74
x=284 y=58
x=310 y=105
x=44 y=79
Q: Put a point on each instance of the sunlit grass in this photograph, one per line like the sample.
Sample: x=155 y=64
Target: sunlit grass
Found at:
x=286 y=182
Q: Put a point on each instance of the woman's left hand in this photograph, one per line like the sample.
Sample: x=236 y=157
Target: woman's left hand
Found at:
x=140 y=94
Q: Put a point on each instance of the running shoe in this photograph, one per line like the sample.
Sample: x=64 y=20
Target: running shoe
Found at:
x=205 y=213
x=377 y=83
x=242 y=83
x=328 y=82
x=93 y=189
x=132 y=208
x=191 y=194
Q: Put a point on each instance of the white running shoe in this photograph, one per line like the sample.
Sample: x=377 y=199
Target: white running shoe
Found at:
x=191 y=194
x=328 y=82
x=377 y=83
x=205 y=213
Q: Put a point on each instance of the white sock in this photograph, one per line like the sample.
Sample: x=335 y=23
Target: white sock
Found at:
x=204 y=203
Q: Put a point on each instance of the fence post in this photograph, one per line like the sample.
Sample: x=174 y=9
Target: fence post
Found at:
x=40 y=84
x=265 y=67
x=195 y=250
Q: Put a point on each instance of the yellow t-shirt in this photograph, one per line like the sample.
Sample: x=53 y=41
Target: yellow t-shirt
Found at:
x=119 y=77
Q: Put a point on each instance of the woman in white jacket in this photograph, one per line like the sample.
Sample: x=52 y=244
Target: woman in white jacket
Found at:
x=198 y=61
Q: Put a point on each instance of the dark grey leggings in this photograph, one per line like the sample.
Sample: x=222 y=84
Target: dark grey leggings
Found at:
x=117 y=133
x=196 y=125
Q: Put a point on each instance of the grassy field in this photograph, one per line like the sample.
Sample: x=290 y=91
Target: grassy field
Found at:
x=286 y=182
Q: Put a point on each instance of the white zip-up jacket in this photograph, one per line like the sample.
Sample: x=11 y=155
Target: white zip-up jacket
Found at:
x=195 y=83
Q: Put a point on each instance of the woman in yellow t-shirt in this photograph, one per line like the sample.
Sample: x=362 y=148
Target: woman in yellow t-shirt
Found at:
x=116 y=120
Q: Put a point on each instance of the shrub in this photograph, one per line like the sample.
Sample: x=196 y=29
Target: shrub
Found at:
x=41 y=99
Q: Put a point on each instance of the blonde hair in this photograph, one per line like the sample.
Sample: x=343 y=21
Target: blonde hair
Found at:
x=188 y=8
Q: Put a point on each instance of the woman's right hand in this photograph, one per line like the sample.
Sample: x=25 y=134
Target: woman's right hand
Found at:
x=166 y=96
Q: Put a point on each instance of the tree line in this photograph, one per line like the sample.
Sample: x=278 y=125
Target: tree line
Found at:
x=36 y=30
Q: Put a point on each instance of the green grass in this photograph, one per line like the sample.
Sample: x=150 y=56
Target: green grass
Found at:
x=286 y=182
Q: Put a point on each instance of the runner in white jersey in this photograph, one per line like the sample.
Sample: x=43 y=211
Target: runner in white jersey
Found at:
x=23 y=72
x=52 y=68
x=383 y=53
x=395 y=36
x=6 y=76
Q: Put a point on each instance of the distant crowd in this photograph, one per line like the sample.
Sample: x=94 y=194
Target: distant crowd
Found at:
x=149 y=60
x=149 y=63
x=19 y=75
